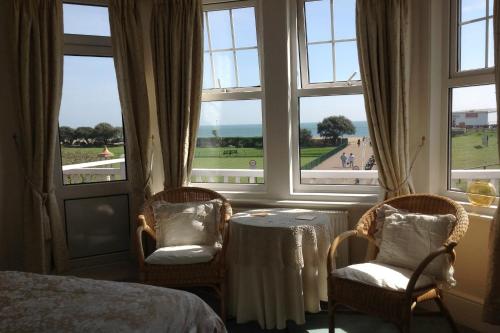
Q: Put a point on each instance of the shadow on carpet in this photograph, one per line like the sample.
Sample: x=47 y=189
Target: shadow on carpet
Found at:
x=350 y=322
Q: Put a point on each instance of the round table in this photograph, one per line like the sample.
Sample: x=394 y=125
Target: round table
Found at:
x=277 y=265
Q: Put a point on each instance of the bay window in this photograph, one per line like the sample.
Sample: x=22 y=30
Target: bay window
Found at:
x=230 y=143
x=472 y=115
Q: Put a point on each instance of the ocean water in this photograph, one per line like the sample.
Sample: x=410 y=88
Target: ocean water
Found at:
x=252 y=130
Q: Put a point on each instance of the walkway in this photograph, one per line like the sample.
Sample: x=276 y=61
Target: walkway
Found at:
x=361 y=155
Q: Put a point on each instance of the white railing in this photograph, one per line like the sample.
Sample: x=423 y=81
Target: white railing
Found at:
x=251 y=175
x=88 y=169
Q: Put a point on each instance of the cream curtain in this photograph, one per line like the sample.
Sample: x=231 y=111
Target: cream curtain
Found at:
x=39 y=64
x=382 y=31
x=491 y=309
x=177 y=51
x=127 y=39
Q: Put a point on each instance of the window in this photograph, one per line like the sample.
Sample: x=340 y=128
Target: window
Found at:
x=334 y=146
x=329 y=51
x=472 y=116
x=230 y=143
x=475 y=29
x=90 y=121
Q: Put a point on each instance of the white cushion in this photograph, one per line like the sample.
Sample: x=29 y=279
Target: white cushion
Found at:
x=187 y=223
x=182 y=255
x=407 y=238
x=381 y=275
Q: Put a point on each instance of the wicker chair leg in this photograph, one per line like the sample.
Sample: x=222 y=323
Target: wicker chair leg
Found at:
x=447 y=314
x=331 y=316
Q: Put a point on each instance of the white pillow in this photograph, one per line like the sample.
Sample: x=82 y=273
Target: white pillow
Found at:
x=407 y=238
x=187 y=223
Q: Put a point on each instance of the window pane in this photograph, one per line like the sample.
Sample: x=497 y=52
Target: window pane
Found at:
x=205 y=33
x=220 y=29
x=86 y=20
x=490 y=11
x=472 y=46
x=331 y=129
x=208 y=82
x=229 y=148
x=320 y=63
x=491 y=43
x=90 y=122
x=224 y=69
x=346 y=61
x=472 y=9
x=318 y=21
x=473 y=136
x=248 y=68
x=244 y=27
x=344 y=19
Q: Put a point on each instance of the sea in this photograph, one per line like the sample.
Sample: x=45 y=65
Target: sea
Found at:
x=255 y=130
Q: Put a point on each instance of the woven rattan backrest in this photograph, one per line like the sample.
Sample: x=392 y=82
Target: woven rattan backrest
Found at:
x=181 y=194
x=420 y=203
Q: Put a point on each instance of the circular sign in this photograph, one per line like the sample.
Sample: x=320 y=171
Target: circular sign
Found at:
x=252 y=164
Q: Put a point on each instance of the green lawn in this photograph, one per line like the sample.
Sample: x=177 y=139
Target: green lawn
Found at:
x=468 y=151
x=206 y=158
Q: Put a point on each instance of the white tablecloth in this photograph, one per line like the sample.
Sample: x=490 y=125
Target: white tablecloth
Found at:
x=277 y=263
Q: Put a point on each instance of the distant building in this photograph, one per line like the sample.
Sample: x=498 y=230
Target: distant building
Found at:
x=472 y=118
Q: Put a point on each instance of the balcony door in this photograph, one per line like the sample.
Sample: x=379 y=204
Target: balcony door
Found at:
x=91 y=181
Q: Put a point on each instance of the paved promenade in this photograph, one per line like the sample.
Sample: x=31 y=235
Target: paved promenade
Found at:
x=361 y=155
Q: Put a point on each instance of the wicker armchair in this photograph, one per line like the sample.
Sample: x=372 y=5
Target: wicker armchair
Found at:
x=211 y=274
x=392 y=305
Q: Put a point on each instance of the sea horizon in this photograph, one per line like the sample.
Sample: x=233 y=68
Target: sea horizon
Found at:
x=255 y=130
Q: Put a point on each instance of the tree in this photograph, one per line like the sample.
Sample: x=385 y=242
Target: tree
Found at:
x=66 y=134
x=104 y=132
x=84 y=133
x=218 y=141
x=331 y=128
x=305 y=137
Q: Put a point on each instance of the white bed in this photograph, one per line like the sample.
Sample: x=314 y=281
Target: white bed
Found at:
x=47 y=303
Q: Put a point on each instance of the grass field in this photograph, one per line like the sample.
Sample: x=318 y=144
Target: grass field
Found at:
x=215 y=157
x=468 y=151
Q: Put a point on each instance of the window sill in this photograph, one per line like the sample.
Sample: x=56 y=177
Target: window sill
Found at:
x=483 y=212
x=302 y=200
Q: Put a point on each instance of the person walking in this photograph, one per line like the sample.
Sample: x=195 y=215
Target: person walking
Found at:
x=350 y=160
x=343 y=158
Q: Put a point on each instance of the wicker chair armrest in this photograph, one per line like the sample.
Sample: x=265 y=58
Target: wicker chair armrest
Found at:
x=142 y=227
x=445 y=249
x=334 y=246
x=140 y=248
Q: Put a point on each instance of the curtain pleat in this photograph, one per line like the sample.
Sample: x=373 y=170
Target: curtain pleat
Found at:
x=491 y=308
x=382 y=30
x=39 y=70
x=177 y=51
x=128 y=54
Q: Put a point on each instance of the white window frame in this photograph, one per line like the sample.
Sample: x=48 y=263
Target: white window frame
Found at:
x=230 y=6
x=454 y=36
x=452 y=78
x=303 y=55
x=91 y=46
x=302 y=88
x=88 y=46
x=239 y=93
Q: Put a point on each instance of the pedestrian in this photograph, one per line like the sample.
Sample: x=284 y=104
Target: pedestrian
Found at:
x=350 y=160
x=343 y=158
x=359 y=142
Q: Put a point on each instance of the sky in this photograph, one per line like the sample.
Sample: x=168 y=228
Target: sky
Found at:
x=90 y=93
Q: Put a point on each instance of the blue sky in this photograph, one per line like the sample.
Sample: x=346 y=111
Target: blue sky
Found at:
x=90 y=93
